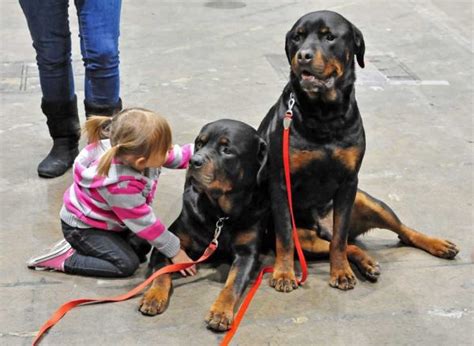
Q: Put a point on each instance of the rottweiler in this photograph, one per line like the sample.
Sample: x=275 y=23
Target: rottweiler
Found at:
x=224 y=180
x=327 y=144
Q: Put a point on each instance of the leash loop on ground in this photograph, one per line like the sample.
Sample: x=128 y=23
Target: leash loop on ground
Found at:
x=172 y=268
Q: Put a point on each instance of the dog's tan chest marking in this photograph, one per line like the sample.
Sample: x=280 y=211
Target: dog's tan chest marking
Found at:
x=349 y=157
x=300 y=159
x=245 y=237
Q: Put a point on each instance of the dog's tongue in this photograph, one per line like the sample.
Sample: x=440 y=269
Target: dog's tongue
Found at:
x=307 y=76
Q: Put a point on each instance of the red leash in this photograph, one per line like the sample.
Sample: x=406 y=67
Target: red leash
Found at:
x=304 y=268
x=172 y=268
x=286 y=164
x=245 y=304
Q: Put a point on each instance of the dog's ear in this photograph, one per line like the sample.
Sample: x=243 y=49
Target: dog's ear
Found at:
x=262 y=156
x=287 y=46
x=359 y=46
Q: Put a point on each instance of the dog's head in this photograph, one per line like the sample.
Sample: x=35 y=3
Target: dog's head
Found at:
x=320 y=48
x=228 y=163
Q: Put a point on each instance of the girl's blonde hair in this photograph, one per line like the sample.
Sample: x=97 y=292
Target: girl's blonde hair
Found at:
x=134 y=131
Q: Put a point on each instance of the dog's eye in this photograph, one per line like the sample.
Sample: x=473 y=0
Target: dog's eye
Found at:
x=297 y=37
x=197 y=146
x=226 y=150
x=330 y=37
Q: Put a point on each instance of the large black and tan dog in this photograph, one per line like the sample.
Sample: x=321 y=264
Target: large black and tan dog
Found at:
x=223 y=180
x=327 y=145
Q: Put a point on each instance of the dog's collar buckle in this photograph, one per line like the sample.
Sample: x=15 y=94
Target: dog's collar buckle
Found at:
x=217 y=232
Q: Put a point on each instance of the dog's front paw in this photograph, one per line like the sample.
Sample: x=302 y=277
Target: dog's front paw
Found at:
x=284 y=281
x=219 y=320
x=154 y=302
x=342 y=277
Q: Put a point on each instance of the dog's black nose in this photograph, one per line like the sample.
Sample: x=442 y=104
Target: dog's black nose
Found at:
x=304 y=56
x=196 y=161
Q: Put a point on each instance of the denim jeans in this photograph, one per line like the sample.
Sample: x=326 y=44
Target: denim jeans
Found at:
x=104 y=253
x=99 y=20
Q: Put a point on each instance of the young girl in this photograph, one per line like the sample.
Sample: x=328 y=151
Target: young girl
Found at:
x=107 y=219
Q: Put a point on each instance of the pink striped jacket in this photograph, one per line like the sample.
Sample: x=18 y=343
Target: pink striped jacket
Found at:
x=123 y=199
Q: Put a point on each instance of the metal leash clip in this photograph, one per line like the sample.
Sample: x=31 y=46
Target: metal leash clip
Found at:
x=291 y=102
x=217 y=232
x=289 y=112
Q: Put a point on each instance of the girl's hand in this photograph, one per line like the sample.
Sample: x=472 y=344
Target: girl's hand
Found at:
x=181 y=257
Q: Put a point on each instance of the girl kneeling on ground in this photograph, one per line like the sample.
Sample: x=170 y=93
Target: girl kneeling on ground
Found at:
x=107 y=219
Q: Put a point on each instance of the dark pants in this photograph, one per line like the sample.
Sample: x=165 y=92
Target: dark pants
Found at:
x=99 y=20
x=104 y=253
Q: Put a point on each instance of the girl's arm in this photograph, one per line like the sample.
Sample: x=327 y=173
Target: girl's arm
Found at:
x=157 y=235
x=179 y=156
x=130 y=207
x=143 y=222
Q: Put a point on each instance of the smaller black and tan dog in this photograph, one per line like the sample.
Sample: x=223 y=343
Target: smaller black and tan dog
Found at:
x=223 y=180
x=327 y=145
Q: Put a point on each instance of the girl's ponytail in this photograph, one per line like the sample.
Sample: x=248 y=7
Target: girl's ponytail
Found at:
x=134 y=132
x=97 y=128
x=106 y=160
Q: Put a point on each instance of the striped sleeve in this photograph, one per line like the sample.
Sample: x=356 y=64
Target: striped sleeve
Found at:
x=179 y=156
x=131 y=208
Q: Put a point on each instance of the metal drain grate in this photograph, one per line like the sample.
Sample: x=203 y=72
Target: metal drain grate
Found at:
x=14 y=76
x=393 y=69
x=225 y=4
x=20 y=76
x=380 y=70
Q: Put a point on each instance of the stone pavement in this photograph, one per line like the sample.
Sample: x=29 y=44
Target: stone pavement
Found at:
x=197 y=61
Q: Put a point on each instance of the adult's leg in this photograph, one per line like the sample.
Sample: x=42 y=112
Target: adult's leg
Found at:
x=48 y=24
x=99 y=253
x=99 y=25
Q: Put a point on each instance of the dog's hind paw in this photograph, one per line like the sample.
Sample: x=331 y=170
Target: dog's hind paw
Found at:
x=443 y=248
x=437 y=247
x=370 y=270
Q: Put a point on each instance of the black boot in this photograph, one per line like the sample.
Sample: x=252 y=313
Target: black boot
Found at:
x=105 y=110
x=64 y=128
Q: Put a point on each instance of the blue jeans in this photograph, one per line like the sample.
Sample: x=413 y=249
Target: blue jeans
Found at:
x=99 y=22
x=104 y=253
